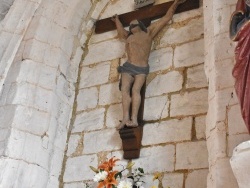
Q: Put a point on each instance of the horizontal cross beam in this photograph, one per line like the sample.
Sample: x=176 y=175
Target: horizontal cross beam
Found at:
x=145 y=13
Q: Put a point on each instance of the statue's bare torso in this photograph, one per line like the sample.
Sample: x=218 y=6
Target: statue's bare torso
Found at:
x=138 y=47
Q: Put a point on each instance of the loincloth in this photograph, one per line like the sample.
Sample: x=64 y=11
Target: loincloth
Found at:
x=133 y=69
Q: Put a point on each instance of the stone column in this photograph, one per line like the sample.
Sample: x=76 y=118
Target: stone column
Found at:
x=224 y=127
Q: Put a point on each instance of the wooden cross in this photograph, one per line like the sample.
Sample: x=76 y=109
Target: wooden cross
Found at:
x=145 y=13
x=131 y=137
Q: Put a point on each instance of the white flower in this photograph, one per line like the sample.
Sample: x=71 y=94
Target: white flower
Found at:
x=124 y=184
x=138 y=184
x=100 y=176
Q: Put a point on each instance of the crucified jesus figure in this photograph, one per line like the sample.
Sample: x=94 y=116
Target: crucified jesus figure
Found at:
x=138 y=41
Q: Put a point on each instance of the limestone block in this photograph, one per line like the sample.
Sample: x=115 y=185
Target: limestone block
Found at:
x=110 y=94
x=77 y=168
x=53 y=56
x=95 y=75
x=56 y=163
x=89 y=121
x=221 y=17
x=200 y=127
x=67 y=43
x=118 y=7
x=222 y=174
x=173 y=180
x=27 y=147
x=156 y=108
x=41 y=74
x=99 y=52
x=29 y=95
x=114 y=115
x=189 y=54
x=73 y=144
x=196 y=77
x=197 y=179
x=183 y=16
x=4 y=133
x=234 y=141
x=60 y=137
x=34 y=50
x=53 y=182
x=7 y=116
x=31 y=120
x=189 y=104
x=224 y=47
x=99 y=8
x=41 y=29
x=87 y=98
x=167 y=131
x=157 y=156
x=18 y=173
x=224 y=78
x=191 y=31
x=164 y=83
x=96 y=38
x=161 y=59
x=236 y=124
x=240 y=165
x=217 y=143
x=65 y=90
x=191 y=155
x=104 y=140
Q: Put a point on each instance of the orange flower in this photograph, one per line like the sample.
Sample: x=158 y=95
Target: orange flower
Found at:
x=109 y=181
x=108 y=165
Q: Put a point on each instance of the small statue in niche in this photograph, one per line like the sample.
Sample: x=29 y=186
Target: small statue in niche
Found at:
x=240 y=31
x=138 y=40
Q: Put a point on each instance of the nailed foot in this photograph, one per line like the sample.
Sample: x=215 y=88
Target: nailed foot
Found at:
x=131 y=124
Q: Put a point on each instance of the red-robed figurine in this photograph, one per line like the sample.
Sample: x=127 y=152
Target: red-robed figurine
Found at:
x=240 y=31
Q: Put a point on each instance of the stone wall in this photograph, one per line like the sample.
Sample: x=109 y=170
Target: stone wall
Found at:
x=174 y=141
x=225 y=128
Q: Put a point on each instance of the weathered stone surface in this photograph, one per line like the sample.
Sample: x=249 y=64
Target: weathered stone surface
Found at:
x=27 y=147
x=236 y=124
x=87 y=98
x=173 y=180
x=196 y=77
x=109 y=94
x=99 y=52
x=104 y=140
x=189 y=54
x=56 y=163
x=149 y=156
x=197 y=179
x=200 y=127
x=189 y=104
x=156 y=108
x=77 y=168
x=89 y=121
x=167 y=131
x=164 y=83
x=114 y=115
x=193 y=30
x=17 y=173
x=161 y=59
x=191 y=155
x=73 y=143
x=96 y=75
x=222 y=174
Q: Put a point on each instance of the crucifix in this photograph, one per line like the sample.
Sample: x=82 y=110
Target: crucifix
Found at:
x=134 y=71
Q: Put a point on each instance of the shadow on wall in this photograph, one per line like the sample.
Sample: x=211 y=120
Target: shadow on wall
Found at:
x=4 y=8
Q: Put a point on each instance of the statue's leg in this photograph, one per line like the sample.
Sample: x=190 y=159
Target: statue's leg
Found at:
x=136 y=99
x=127 y=81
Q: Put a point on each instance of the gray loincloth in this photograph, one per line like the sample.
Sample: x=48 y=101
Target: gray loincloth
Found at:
x=132 y=69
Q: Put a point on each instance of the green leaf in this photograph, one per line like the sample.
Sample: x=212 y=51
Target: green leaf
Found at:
x=141 y=170
x=119 y=174
x=131 y=177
